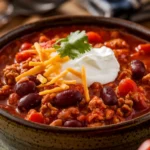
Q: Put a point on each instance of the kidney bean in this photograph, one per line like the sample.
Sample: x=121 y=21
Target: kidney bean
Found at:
x=72 y=123
x=67 y=98
x=138 y=69
x=108 y=96
x=29 y=101
x=34 y=79
x=25 y=87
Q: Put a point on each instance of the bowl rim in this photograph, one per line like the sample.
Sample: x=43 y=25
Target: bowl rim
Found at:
x=61 y=21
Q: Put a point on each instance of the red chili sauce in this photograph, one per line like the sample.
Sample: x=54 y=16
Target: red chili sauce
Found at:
x=125 y=98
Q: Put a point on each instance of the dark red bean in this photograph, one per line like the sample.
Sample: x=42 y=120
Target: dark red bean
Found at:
x=67 y=98
x=34 y=79
x=108 y=96
x=73 y=123
x=25 y=46
x=25 y=87
x=29 y=101
x=138 y=69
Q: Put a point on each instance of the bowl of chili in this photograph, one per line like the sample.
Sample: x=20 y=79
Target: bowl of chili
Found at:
x=74 y=82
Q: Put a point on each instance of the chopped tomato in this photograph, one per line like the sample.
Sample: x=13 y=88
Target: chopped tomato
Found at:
x=25 y=46
x=23 y=55
x=145 y=48
x=94 y=37
x=125 y=86
x=36 y=117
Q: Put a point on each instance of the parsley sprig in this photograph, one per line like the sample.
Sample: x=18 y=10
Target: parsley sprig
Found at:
x=74 y=44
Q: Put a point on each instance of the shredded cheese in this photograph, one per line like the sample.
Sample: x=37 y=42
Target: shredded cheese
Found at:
x=69 y=81
x=49 y=71
x=76 y=73
x=39 y=51
x=32 y=71
x=52 y=68
x=65 y=59
x=62 y=74
x=84 y=82
x=64 y=86
x=41 y=86
x=54 y=90
x=31 y=63
x=41 y=78
x=51 y=60
x=50 y=50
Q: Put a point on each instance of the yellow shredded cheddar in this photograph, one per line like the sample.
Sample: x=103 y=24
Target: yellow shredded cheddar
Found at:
x=54 y=90
x=62 y=74
x=76 y=73
x=51 y=69
x=84 y=82
x=31 y=63
x=39 y=51
x=64 y=86
x=69 y=81
x=32 y=71
x=41 y=85
x=50 y=50
x=51 y=60
x=42 y=79
x=64 y=59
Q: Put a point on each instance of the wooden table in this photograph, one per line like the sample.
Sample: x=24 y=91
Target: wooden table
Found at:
x=69 y=8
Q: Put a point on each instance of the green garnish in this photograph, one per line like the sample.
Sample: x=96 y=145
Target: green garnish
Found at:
x=74 y=44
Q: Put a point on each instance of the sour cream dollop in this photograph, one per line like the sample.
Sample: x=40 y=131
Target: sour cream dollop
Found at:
x=100 y=63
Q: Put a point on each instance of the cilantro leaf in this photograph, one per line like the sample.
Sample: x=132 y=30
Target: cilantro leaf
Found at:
x=74 y=44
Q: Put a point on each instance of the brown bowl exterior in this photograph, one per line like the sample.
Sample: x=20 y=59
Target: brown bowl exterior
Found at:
x=19 y=134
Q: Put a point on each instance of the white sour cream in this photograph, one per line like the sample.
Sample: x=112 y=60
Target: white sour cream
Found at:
x=100 y=63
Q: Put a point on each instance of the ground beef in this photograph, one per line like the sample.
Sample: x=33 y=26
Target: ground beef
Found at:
x=146 y=79
x=125 y=73
x=69 y=113
x=96 y=103
x=116 y=44
x=5 y=91
x=10 y=73
x=13 y=99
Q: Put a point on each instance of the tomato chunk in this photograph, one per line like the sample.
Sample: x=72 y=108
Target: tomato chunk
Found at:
x=36 y=117
x=25 y=46
x=94 y=37
x=125 y=86
x=23 y=55
x=145 y=48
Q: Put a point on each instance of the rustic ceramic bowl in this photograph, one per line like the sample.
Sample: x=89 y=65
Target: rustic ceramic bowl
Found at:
x=19 y=134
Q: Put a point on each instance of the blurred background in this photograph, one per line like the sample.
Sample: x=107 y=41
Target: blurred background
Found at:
x=14 y=13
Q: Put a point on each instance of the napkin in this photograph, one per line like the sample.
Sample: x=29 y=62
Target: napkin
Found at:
x=134 y=10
